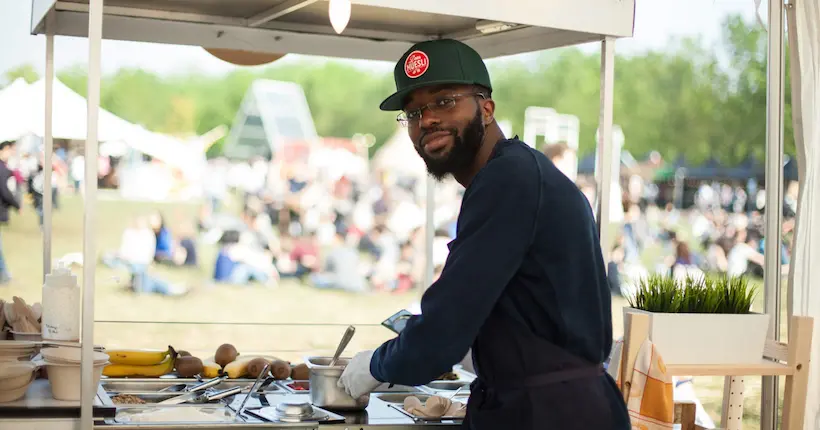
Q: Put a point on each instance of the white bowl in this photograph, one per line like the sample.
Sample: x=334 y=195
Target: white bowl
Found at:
x=17 y=344
x=34 y=337
x=5 y=351
x=16 y=393
x=68 y=355
x=16 y=354
x=15 y=359
x=16 y=374
x=65 y=379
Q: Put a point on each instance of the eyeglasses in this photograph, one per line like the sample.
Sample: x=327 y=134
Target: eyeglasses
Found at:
x=442 y=104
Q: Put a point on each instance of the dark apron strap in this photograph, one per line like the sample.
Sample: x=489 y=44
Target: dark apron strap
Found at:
x=543 y=379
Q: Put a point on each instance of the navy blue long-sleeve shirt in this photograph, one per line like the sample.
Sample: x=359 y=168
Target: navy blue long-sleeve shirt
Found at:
x=526 y=246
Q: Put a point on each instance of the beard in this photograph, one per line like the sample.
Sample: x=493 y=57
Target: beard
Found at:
x=462 y=153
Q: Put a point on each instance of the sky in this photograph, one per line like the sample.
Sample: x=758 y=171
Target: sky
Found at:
x=657 y=21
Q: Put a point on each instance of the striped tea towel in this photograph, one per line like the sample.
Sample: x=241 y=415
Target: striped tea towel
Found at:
x=651 y=403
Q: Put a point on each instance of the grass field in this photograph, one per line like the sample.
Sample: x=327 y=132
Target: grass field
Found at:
x=290 y=321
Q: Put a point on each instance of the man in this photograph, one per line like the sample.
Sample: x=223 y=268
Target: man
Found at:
x=8 y=184
x=524 y=283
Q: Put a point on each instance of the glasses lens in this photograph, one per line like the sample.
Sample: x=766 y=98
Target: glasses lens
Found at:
x=445 y=103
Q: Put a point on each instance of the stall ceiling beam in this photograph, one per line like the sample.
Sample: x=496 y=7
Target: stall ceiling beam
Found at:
x=153 y=14
x=349 y=32
x=266 y=40
x=227 y=37
x=379 y=29
x=278 y=11
x=238 y=22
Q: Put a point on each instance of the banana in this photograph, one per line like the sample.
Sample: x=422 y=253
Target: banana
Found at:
x=151 y=371
x=237 y=368
x=210 y=369
x=138 y=357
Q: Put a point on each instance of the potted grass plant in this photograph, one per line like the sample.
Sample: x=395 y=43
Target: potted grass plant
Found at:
x=702 y=320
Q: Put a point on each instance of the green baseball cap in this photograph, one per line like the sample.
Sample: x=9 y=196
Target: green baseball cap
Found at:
x=436 y=62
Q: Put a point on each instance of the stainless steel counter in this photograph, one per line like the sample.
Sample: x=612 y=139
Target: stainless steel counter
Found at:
x=379 y=415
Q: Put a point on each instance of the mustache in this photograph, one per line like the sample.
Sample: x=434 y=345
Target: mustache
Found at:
x=427 y=131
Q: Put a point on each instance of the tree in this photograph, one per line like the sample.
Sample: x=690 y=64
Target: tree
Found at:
x=687 y=101
x=25 y=71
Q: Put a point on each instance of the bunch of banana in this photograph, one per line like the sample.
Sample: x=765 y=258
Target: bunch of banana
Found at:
x=140 y=363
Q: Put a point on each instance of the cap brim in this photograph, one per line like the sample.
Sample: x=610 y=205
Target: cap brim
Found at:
x=396 y=100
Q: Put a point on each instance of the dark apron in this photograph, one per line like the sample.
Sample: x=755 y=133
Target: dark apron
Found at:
x=526 y=382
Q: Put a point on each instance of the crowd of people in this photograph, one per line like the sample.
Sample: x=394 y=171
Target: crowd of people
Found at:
x=347 y=233
x=724 y=235
x=271 y=221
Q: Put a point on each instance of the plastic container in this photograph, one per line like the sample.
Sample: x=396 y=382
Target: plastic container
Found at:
x=61 y=306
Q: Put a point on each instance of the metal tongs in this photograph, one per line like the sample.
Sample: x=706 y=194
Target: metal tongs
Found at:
x=202 y=386
x=197 y=392
x=198 y=397
x=262 y=376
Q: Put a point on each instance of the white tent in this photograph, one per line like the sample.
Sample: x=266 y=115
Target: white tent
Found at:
x=13 y=91
x=22 y=113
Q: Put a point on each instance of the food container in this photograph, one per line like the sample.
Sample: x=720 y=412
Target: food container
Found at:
x=449 y=385
x=34 y=337
x=177 y=415
x=324 y=392
x=69 y=355
x=16 y=374
x=61 y=306
x=15 y=393
x=15 y=377
x=15 y=357
x=65 y=379
x=296 y=387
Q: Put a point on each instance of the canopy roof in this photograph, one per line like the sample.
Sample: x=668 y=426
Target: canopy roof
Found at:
x=378 y=29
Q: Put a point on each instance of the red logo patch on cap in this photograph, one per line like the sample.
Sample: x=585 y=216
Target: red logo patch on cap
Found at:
x=416 y=64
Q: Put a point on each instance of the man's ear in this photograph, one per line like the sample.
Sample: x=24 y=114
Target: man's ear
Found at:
x=488 y=112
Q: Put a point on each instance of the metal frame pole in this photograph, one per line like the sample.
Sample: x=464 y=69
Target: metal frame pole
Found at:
x=774 y=197
x=48 y=137
x=95 y=21
x=604 y=147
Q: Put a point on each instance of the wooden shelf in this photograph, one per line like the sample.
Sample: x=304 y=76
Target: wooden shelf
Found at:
x=764 y=368
x=789 y=360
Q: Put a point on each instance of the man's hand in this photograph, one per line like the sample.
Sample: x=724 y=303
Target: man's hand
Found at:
x=356 y=379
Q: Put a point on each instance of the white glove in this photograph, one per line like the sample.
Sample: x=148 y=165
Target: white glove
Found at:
x=356 y=379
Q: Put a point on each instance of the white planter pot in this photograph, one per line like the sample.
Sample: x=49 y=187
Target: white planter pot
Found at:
x=707 y=338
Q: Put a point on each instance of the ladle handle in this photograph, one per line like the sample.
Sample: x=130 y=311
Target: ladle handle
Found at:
x=343 y=344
